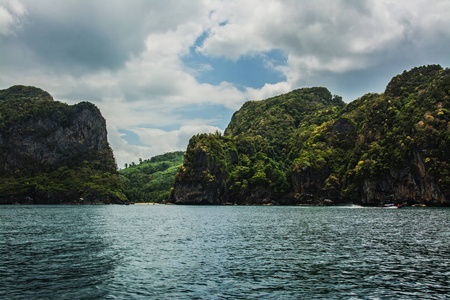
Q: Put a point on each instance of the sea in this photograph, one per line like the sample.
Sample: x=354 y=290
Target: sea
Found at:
x=223 y=252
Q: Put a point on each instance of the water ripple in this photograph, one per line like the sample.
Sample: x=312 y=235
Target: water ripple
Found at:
x=177 y=252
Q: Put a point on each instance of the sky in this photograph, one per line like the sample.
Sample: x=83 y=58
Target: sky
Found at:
x=162 y=71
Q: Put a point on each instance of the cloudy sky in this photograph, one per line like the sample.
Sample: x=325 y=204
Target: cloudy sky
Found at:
x=161 y=71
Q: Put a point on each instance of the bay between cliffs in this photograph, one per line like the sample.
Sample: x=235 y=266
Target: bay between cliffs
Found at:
x=223 y=252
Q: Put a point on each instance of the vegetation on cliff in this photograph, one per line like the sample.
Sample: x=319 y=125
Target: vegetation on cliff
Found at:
x=385 y=147
x=151 y=180
x=307 y=147
x=247 y=165
x=51 y=152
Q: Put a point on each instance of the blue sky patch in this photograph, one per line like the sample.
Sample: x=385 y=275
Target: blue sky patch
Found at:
x=248 y=71
x=220 y=114
x=131 y=137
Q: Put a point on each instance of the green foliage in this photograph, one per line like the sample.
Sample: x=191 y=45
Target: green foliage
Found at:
x=277 y=118
x=20 y=92
x=257 y=170
x=152 y=179
x=251 y=154
x=85 y=183
x=337 y=147
x=413 y=81
x=378 y=133
x=34 y=165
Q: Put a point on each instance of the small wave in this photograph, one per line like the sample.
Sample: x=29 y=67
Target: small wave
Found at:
x=353 y=206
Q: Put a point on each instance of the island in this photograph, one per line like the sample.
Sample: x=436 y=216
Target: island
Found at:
x=308 y=147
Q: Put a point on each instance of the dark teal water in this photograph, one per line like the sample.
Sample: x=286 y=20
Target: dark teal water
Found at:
x=223 y=252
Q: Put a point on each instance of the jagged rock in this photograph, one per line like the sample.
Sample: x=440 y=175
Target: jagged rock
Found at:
x=205 y=183
x=44 y=144
x=411 y=184
x=307 y=147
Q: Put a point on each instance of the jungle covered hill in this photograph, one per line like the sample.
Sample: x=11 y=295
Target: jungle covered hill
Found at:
x=54 y=153
x=152 y=179
x=308 y=147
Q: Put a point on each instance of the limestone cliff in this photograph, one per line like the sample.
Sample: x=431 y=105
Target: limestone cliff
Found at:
x=245 y=166
x=411 y=184
x=51 y=152
x=307 y=147
x=202 y=179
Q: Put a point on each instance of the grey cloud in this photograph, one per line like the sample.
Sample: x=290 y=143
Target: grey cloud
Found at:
x=334 y=31
x=77 y=37
x=125 y=55
x=75 y=46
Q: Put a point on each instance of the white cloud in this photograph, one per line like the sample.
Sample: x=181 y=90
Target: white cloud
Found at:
x=136 y=75
x=11 y=13
x=168 y=140
x=159 y=141
x=239 y=28
x=334 y=36
x=123 y=152
x=6 y=19
x=268 y=90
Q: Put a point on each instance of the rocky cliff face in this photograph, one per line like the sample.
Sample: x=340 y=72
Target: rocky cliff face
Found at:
x=387 y=148
x=411 y=184
x=306 y=147
x=245 y=166
x=51 y=141
x=41 y=138
x=202 y=179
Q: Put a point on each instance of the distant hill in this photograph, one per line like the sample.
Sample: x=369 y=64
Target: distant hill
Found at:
x=308 y=147
x=54 y=153
x=151 y=180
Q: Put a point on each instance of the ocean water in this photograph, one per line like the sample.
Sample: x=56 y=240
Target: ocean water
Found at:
x=223 y=252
